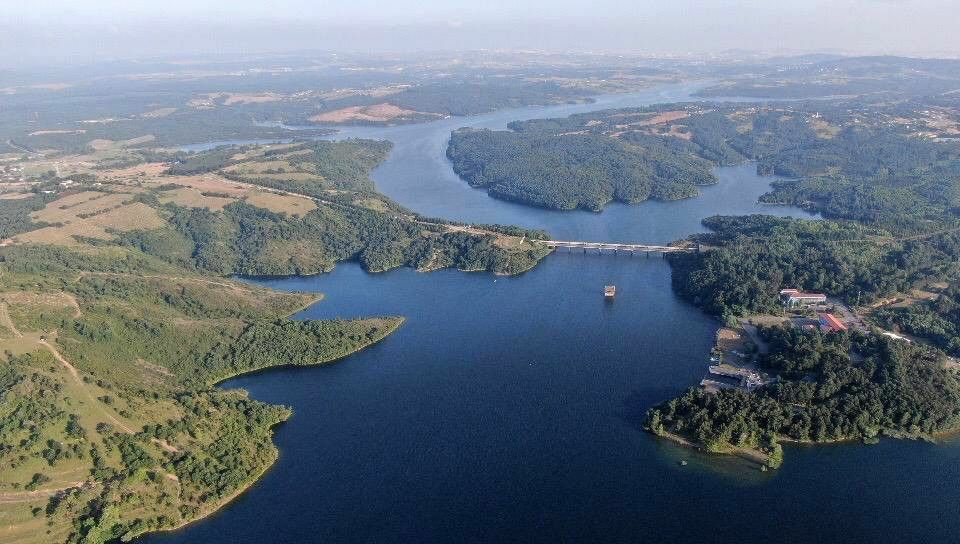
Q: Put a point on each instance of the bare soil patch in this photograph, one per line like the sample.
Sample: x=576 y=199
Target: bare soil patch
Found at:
x=146 y=169
x=15 y=196
x=293 y=205
x=52 y=131
x=665 y=117
x=162 y=112
x=208 y=183
x=376 y=113
x=260 y=98
x=90 y=214
x=729 y=339
x=193 y=198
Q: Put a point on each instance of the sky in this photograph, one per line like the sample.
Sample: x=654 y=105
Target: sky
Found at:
x=38 y=31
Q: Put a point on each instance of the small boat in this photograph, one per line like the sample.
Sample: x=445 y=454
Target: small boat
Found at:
x=610 y=291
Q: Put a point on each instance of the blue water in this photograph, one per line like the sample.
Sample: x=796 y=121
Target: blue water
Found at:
x=508 y=409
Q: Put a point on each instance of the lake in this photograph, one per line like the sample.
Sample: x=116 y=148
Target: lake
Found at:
x=507 y=409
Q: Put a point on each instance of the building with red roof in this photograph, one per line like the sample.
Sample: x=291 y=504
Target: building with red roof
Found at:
x=830 y=323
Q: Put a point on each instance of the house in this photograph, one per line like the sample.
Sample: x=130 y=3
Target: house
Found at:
x=794 y=297
x=830 y=323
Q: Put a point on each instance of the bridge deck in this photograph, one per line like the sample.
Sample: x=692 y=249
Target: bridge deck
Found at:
x=612 y=246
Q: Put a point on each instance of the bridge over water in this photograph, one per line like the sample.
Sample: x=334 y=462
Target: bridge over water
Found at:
x=600 y=247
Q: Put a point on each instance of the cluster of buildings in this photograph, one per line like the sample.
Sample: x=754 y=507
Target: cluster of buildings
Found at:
x=11 y=173
x=725 y=376
x=827 y=322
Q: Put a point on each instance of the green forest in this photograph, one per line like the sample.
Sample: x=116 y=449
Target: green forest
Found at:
x=750 y=258
x=937 y=320
x=248 y=240
x=569 y=171
x=890 y=225
x=859 y=387
x=844 y=159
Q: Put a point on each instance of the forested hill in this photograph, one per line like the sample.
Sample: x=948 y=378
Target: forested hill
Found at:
x=117 y=316
x=294 y=208
x=885 y=176
x=588 y=160
x=751 y=258
x=887 y=76
x=856 y=387
x=872 y=152
x=570 y=171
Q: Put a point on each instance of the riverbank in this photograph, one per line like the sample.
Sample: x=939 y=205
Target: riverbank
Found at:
x=754 y=456
x=392 y=324
x=212 y=508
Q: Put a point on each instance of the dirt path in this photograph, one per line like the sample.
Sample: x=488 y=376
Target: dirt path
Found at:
x=93 y=400
x=26 y=496
x=7 y=322
x=165 y=445
x=77 y=312
x=186 y=279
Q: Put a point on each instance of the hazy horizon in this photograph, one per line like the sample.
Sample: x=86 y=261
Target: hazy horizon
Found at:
x=57 y=31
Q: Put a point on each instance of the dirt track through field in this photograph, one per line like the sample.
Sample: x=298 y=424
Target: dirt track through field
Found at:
x=7 y=322
x=26 y=496
x=93 y=400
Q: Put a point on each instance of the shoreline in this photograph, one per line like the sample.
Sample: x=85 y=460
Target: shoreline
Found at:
x=254 y=478
x=213 y=509
x=399 y=321
x=751 y=455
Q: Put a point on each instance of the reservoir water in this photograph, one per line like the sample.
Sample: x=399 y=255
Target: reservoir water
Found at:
x=508 y=409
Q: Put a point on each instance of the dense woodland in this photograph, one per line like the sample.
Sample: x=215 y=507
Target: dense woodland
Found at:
x=15 y=214
x=244 y=239
x=573 y=170
x=862 y=386
x=853 y=159
x=886 y=76
x=937 y=320
x=749 y=259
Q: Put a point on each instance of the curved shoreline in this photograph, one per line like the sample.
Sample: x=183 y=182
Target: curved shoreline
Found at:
x=461 y=185
x=254 y=478
x=398 y=322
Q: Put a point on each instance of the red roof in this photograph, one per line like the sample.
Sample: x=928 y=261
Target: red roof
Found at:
x=832 y=322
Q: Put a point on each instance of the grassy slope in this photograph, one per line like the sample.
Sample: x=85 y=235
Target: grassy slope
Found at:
x=130 y=365
x=113 y=337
